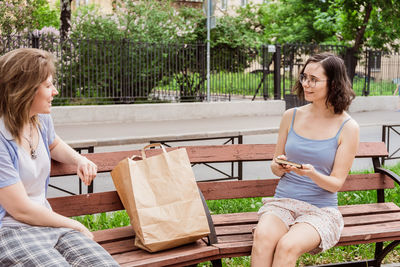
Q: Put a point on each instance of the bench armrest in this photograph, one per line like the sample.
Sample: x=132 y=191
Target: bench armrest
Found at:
x=212 y=237
x=389 y=173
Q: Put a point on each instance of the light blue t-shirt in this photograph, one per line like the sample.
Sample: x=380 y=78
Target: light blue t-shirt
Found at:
x=9 y=170
x=319 y=153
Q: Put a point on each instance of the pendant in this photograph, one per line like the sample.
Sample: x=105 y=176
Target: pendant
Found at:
x=33 y=154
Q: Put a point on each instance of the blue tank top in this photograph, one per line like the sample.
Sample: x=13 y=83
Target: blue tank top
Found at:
x=319 y=153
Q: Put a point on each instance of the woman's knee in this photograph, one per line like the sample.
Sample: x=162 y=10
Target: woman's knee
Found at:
x=268 y=231
x=262 y=241
x=289 y=247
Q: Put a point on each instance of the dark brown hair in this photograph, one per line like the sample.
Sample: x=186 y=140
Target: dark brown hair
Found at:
x=21 y=73
x=340 y=92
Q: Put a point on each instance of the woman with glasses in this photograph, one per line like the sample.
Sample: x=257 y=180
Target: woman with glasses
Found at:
x=303 y=215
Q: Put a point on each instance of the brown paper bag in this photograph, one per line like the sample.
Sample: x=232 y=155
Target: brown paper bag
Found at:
x=162 y=199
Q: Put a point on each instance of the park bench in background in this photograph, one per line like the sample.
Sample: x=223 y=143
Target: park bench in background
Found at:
x=231 y=233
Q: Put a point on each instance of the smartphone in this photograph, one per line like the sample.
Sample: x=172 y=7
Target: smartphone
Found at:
x=286 y=162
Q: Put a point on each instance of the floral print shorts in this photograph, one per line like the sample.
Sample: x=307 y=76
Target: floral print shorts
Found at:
x=327 y=221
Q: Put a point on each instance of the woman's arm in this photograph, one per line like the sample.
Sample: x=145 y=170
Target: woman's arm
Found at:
x=15 y=201
x=345 y=154
x=62 y=152
x=284 y=128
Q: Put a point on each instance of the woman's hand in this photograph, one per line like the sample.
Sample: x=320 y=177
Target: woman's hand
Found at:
x=81 y=228
x=279 y=169
x=306 y=170
x=86 y=170
x=62 y=152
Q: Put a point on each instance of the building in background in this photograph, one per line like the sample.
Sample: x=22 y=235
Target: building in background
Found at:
x=228 y=7
x=106 y=6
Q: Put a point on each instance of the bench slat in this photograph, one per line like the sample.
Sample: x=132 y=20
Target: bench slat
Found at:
x=206 y=154
x=86 y=204
x=266 y=187
x=227 y=153
x=238 y=189
x=352 y=213
x=364 y=224
x=234 y=218
x=356 y=182
x=371 y=219
x=109 y=201
x=121 y=246
x=372 y=208
x=239 y=241
x=235 y=249
x=235 y=238
x=190 y=252
x=366 y=232
x=372 y=149
x=107 y=235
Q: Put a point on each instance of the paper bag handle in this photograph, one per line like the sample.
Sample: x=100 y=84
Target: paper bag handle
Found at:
x=136 y=157
x=150 y=146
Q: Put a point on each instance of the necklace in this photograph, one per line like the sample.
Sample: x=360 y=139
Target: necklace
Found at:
x=30 y=142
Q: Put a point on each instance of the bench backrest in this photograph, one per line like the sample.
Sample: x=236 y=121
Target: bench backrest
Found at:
x=109 y=201
x=206 y=154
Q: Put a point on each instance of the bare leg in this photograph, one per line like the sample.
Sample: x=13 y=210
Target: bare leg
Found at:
x=268 y=232
x=301 y=238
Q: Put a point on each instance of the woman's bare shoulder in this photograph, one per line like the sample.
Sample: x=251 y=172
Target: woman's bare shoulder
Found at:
x=351 y=130
x=287 y=116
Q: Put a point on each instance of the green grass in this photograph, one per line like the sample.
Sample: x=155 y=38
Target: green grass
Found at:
x=245 y=84
x=336 y=254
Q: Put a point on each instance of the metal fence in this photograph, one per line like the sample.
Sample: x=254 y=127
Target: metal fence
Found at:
x=121 y=71
x=377 y=72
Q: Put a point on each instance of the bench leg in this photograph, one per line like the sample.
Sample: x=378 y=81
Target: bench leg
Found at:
x=380 y=256
x=216 y=263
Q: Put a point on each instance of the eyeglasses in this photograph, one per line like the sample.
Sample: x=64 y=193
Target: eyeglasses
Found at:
x=312 y=81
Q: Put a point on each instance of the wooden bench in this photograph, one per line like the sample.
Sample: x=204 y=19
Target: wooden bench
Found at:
x=231 y=233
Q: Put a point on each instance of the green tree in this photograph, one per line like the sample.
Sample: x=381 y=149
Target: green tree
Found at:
x=354 y=23
x=244 y=28
x=45 y=16
x=146 y=41
x=22 y=16
x=15 y=16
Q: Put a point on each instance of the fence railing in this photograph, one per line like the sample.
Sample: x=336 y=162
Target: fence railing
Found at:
x=122 y=71
x=390 y=132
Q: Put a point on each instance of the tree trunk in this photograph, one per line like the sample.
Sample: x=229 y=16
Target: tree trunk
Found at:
x=350 y=60
x=352 y=53
x=65 y=18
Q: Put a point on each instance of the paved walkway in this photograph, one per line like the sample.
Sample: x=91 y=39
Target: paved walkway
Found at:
x=112 y=134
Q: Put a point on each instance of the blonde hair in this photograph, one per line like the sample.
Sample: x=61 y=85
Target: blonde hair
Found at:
x=21 y=73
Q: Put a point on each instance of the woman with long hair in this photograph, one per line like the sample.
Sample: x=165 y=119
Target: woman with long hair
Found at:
x=31 y=234
x=303 y=215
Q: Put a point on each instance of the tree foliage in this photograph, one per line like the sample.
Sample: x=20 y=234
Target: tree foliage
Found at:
x=294 y=21
x=145 y=39
x=357 y=23
x=138 y=26
x=354 y=23
x=138 y=21
x=244 y=28
x=18 y=16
